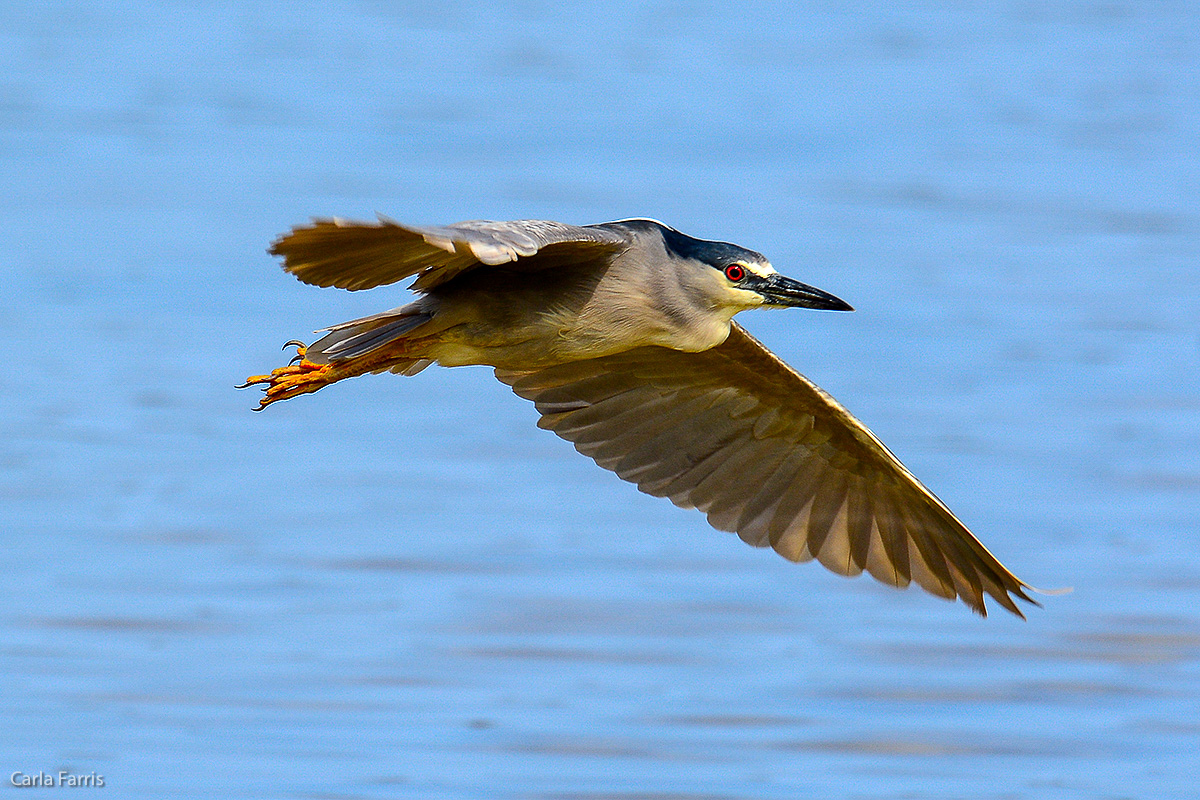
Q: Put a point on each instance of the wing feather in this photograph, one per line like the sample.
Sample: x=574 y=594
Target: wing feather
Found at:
x=362 y=255
x=736 y=433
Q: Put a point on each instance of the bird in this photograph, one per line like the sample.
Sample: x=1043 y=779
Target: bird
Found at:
x=622 y=334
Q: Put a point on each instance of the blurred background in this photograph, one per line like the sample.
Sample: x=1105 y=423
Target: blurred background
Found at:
x=402 y=588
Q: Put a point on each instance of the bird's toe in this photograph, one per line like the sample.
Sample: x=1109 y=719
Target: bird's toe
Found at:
x=300 y=376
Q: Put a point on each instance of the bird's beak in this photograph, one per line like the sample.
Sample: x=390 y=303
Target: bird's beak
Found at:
x=778 y=290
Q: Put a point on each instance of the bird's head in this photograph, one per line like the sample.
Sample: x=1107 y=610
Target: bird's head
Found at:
x=734 y=278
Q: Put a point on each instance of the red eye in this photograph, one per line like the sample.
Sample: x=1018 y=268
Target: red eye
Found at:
x=735 y=272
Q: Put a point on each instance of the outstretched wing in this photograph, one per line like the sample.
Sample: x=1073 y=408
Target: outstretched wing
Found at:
x=737 y=433
x=362 y=255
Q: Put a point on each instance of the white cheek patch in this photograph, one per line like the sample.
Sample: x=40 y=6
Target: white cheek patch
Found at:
x=750 y=299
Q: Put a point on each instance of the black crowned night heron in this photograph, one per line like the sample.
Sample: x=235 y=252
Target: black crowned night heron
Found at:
x=622 y=333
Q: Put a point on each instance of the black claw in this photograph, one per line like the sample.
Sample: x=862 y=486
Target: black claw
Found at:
x=296 y=359
x=293 y=343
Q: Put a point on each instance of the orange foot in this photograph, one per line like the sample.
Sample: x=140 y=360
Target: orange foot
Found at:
x=300 y=376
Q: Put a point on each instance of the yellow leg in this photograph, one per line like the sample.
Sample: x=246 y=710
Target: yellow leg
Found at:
x=301 y=376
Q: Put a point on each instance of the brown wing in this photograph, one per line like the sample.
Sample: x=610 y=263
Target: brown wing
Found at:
x=362 y=255
x=737 y=433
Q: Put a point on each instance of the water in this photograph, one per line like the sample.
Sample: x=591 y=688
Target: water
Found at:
x=401 y=588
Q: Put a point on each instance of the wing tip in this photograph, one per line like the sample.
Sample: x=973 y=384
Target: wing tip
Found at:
x=1018 y=591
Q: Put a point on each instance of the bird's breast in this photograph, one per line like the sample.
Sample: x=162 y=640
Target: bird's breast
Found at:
x=521 y=321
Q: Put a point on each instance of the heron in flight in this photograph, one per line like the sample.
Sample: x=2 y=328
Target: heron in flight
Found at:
x=622 y=334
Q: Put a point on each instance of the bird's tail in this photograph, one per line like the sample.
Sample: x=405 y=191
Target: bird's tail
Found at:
x=358 y=337
x=352 y=348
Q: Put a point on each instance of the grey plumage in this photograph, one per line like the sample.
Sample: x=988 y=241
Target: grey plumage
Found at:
x=358 y=256
x=622 y=335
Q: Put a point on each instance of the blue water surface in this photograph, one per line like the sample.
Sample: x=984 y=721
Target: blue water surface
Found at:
x=401 y=588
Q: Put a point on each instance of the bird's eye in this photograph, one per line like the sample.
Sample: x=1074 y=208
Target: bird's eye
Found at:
x=735 y=272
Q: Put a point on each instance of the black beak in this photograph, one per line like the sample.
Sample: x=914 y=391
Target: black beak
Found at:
x=780 y=291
